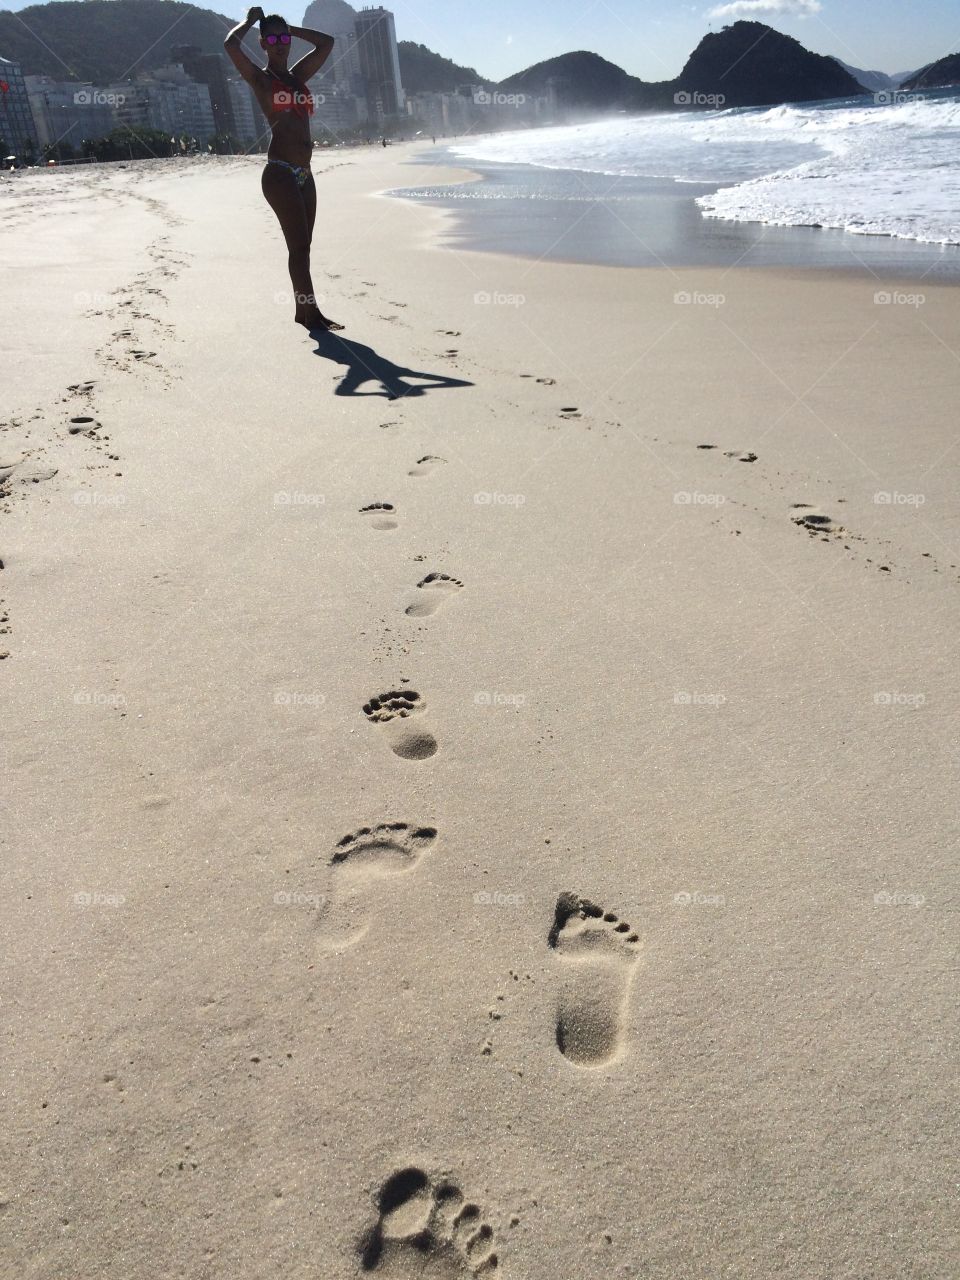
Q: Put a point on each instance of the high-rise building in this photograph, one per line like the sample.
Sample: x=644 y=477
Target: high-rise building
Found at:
x=18 y=133
x=169 y=100
x=209 y=69
x=68 y=113
x=341 y=70
x=251 y=127
x=379 y=62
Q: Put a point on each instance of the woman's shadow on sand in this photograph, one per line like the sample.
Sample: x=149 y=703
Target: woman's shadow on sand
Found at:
x=363 y=364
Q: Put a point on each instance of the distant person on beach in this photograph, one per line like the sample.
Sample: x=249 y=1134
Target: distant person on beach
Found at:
x=287 y=103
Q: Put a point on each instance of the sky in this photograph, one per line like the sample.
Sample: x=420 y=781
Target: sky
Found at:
x=652 y=38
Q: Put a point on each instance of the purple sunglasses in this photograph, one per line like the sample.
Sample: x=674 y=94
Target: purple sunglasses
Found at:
x=283 y=39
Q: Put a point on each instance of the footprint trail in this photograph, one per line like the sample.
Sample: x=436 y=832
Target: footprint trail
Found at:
x=597 y=953
x=392 y=710
x=425 y=465
x=437 y=588
x=357 y=862
x=427 y=1228
x=380 y=515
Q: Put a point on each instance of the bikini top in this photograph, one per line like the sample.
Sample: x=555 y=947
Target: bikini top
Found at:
x=292 y=97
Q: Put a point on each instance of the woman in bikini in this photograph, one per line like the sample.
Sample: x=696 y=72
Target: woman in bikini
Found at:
x=287 y=103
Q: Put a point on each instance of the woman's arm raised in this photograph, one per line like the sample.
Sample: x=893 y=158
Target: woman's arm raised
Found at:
x=311 y=62
x=234 y=47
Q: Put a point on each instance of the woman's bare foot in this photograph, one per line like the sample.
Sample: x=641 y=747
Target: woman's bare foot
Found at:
x=313 y=318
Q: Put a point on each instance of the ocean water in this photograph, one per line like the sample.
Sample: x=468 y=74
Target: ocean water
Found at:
x=888 y=168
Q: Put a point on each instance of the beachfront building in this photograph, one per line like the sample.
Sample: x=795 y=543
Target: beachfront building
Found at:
x=68 y=113
x=427 y=110
x=335 y=113
x=379 y=63
x=475 y=108
x=341 y=76
x=209 y=69
x=441 y=112
x=18 y=133
x=169 y=100
x=249 y=123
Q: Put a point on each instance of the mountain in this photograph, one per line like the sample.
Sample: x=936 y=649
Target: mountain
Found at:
x=875 y=81
x=943 y=73
x=747 y=64
x=423 y=71
x=583 y=82
x=751 y=65
x=106 y=40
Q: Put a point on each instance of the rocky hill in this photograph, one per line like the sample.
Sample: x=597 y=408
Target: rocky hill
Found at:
x=751 y=65
x=106 y=40
x=583 y=81
x=423 y=71
x=938 y=75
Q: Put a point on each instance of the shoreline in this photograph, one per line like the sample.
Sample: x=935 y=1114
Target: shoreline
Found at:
x=475 y=226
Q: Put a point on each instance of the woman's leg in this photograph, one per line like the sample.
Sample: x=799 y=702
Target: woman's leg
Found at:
x=309 y=190
x=283 y=195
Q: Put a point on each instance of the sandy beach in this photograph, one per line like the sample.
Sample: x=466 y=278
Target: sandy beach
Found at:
x=506 y=829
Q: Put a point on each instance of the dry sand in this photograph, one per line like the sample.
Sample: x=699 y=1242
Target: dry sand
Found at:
x=303 y=973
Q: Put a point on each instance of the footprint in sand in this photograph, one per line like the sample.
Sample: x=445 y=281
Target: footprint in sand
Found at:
x=364 y=856
x=425 y=465
x=393 y=710
x=26 y=473
x=598 y=953
x=82 y=423
x=380 y=515
x=813 y=521
x=427 y=1228
x=436 y=588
